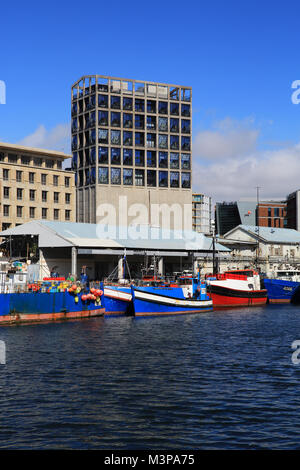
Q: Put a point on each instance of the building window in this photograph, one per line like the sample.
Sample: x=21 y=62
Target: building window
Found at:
x=44 y=213
x=139 y=158
x=6 y=210
x=103 y=175
x=115 y=137
x=25 y=160
x=151 y=140
x=115 y=102
x=151 y=106
x=151 y=159
x=163 y=179
x=162 y=141
x=68 y=198
x=19 y=176
x=32 y=212
x=174 y=179
x=139 y=177
x=162 y=107
x=6 y=192
x=174 y=125
x=102 y=101
x=44 y=178
x=19 y=194
x=115 y=176
x=49 y=163
x=5 y=174
x=127 y=177
x=139 y=121
x=185 y=143
x=19 y=211
x=127 y=120
x=139 y=105
x=103 y=118
x=115 y=156
x=151 y=178
x=139 y=139
x=32 y=194
x=174 y=142
x=56 y=197
x=185 y=126
x=127 y=104
x=127 y=138
x=185 y=161
x=102 y=136
x=185 y=110
x=5 y=226
x=44 y=196
x=67 y=214
x=163 y=124
x=115 y=119
x=174 y=109
x=12 y=158
x=67 y=181
x=127 y=157
x=163 y=159
x=55 y=180
x=31 y=177
x=174 y=160
x=185 y=180
x=56 y=214
x=37 y=161
x=103 y=155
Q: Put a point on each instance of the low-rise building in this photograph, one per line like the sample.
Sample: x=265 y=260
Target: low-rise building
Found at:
x=34 y=185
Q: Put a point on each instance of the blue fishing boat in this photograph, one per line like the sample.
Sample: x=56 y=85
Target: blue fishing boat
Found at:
x=117 y=300
x=152 y=301
x=281 y=291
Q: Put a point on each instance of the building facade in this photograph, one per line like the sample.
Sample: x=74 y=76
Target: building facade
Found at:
x=131 y=139
x=272 y=214
x=33 y=185
x=293 y=210
x=201 y=213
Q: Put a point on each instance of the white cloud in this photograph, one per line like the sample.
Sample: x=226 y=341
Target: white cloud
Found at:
x=228 y=165
x=57 y=138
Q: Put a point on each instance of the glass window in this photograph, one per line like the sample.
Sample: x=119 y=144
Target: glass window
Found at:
x=93 y=137
x=174 y=160
x=19 y=211
x=93 y=175
x=74 y=142
x=103 y=101
x=115 y=102
x=174 y=125
x=55 y=180
x=163 y=124
x=185 y=110
x=139 y=121
x=115 y=175
x=185 y=143
x=31 y=177
x=127 y=138
x=103 y=155
x=103 y=118
x=44 y=213
x=139 y=158
x=185 y=94
x=93 y=155
x=44 y=196
x=185 y=126
x=19 y=193
x=127 y=157
x=32 y=212
x=185 y=161
x=174 y=93
x=19 y=176
x=151 y=140
x=115 y=157
x=174 y=142
x=139 y=105
x=56 y=214
x=32 y=194
x=103 y=175
x=5 y=174
x=151 y=106
x=163 y=159
x=163 y=179
x=151 y=178
x=185 y=180
x=6 y=192
x=128 y=176
x=151 y=159
x=139 y=178
x=162 y=107
x=67 y=214
x=127 y=104
x=103 y=136
x=127 y=120
x=151 y=123
x=174 y=179
x=139 y=138
x=115 y=119
x=115 y=137
x=163 y=141
x=56 y=196
x=174 y=109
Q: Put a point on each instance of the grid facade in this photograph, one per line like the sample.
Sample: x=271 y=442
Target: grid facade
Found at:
x=201 y=213
x=129 y=134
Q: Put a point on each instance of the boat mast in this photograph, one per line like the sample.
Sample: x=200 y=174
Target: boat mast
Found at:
x=257 y=222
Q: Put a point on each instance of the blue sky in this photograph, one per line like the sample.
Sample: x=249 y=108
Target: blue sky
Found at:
x=240 y=58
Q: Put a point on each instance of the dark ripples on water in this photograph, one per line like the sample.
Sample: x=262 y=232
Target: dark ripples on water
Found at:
x=221 y=380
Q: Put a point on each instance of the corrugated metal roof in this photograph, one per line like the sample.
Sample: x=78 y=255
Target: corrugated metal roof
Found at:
x=97 y=235
x=270 y=234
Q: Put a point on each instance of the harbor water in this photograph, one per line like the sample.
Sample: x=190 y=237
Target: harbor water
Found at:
x=218 y=380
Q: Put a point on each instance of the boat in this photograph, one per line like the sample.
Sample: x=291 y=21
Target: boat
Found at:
x=237 y=288
x=283 y=286
x=117 y=300
x=50 y=300
x=153 y=301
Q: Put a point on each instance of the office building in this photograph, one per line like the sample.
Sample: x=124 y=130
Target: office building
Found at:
x=33 y=185
x=131 y=139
